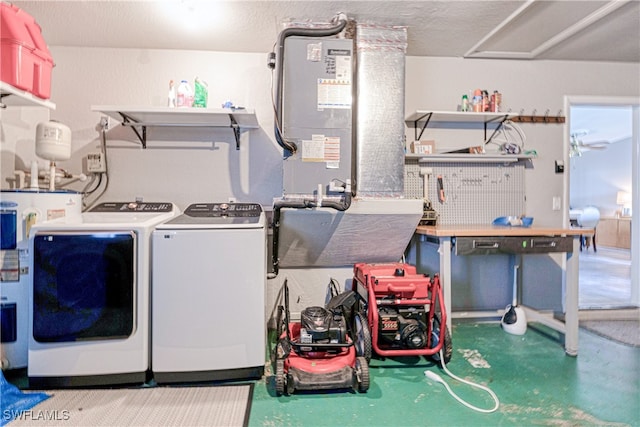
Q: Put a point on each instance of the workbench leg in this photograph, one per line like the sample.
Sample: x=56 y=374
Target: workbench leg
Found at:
x=445 y=275
x=572 y=300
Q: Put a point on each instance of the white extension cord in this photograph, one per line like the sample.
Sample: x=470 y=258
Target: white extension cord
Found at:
x=437 y=378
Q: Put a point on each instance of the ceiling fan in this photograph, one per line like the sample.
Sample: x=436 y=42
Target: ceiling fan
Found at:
x=578 y=146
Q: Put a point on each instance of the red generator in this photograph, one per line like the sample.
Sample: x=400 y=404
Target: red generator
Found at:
x=399 y=312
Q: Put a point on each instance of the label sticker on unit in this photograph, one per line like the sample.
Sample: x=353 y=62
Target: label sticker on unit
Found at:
x=23 y=261
x=55 y=214
x=305 y=338
x=332 y=152
x=334 y=93
x=9 y=266
x=313 y=149
x=322 y=148
x=342 y=63
x=314 y=52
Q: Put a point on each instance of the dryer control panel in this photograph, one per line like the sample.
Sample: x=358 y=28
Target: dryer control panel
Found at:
x=128 y=207
x=232 y=210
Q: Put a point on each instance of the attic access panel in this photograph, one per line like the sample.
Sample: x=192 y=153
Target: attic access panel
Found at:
x=545 y=26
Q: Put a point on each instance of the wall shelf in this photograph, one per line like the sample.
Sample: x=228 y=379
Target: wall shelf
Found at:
x=139 y=118
x=420 y=119
x=11 y=96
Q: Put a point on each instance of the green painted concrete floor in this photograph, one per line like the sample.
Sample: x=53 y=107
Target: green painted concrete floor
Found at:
x=537 y=384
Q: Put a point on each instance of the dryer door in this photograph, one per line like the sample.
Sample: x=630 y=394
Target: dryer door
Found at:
x=83 y=286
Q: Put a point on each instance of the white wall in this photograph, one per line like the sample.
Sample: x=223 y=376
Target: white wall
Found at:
x=527 y=86
x=206 y=169
x=186 y=172
x=531 y=87
x=196 y=171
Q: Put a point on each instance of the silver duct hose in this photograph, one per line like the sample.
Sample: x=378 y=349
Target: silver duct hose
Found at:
x=339 y=23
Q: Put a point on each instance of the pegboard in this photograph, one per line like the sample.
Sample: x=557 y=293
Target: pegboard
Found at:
x=474 y=193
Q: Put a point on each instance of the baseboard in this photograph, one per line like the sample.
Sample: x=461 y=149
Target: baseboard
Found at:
x=631 y=313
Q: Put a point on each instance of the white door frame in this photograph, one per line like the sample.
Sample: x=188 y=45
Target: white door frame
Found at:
x=618 y=101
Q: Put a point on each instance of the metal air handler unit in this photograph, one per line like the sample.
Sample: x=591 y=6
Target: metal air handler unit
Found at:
x=317 y=117
x=339 y=103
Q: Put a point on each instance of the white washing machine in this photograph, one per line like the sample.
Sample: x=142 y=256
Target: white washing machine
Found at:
x=208 y=294
x=90 y=312
x=19 y=211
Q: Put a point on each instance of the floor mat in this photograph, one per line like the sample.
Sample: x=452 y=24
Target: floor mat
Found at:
x=153 y=406
x=623 y=331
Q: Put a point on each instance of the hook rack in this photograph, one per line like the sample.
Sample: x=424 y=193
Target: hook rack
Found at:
x=533 y=118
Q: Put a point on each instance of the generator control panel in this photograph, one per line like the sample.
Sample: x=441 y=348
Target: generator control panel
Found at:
x=128 y=207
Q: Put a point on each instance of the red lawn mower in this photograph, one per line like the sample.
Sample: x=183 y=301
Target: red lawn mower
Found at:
x=317 y=353
x=399 y=313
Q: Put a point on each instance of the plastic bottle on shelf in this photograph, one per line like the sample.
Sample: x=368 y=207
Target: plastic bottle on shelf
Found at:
x=201 y=93
x=496 y=101
x=465 y=103
x=477 y=101
x=185 y=94
x=171 y=100
x=485 y=101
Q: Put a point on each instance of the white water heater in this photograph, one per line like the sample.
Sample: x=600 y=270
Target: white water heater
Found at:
x=19 y=211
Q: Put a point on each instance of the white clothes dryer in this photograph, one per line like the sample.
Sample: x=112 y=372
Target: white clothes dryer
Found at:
x=208 y=294
x=90 y=297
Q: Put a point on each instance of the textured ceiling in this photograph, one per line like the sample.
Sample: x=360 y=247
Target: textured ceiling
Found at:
x=564 y=30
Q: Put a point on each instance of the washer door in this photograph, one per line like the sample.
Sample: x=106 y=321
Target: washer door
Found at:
x=83 y=286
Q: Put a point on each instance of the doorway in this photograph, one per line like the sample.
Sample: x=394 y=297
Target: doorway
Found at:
x=603 y=169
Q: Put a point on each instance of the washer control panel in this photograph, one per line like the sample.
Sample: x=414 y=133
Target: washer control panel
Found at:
x=231 y=210
x=127 y=207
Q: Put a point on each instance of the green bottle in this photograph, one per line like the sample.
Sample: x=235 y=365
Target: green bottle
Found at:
x=465 y=103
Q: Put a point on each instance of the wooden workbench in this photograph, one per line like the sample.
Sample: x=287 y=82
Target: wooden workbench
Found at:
x=444 y=235
x=496 y=230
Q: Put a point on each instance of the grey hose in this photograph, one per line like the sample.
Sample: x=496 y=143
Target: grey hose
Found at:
x=341 y=22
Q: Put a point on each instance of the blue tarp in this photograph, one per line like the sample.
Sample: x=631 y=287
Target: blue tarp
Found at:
x=13 y=401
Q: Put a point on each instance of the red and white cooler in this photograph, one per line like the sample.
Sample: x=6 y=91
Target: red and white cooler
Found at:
x=25 y=60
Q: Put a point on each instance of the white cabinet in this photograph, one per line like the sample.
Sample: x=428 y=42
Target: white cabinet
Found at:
x=139 y=118
x=614 y=232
